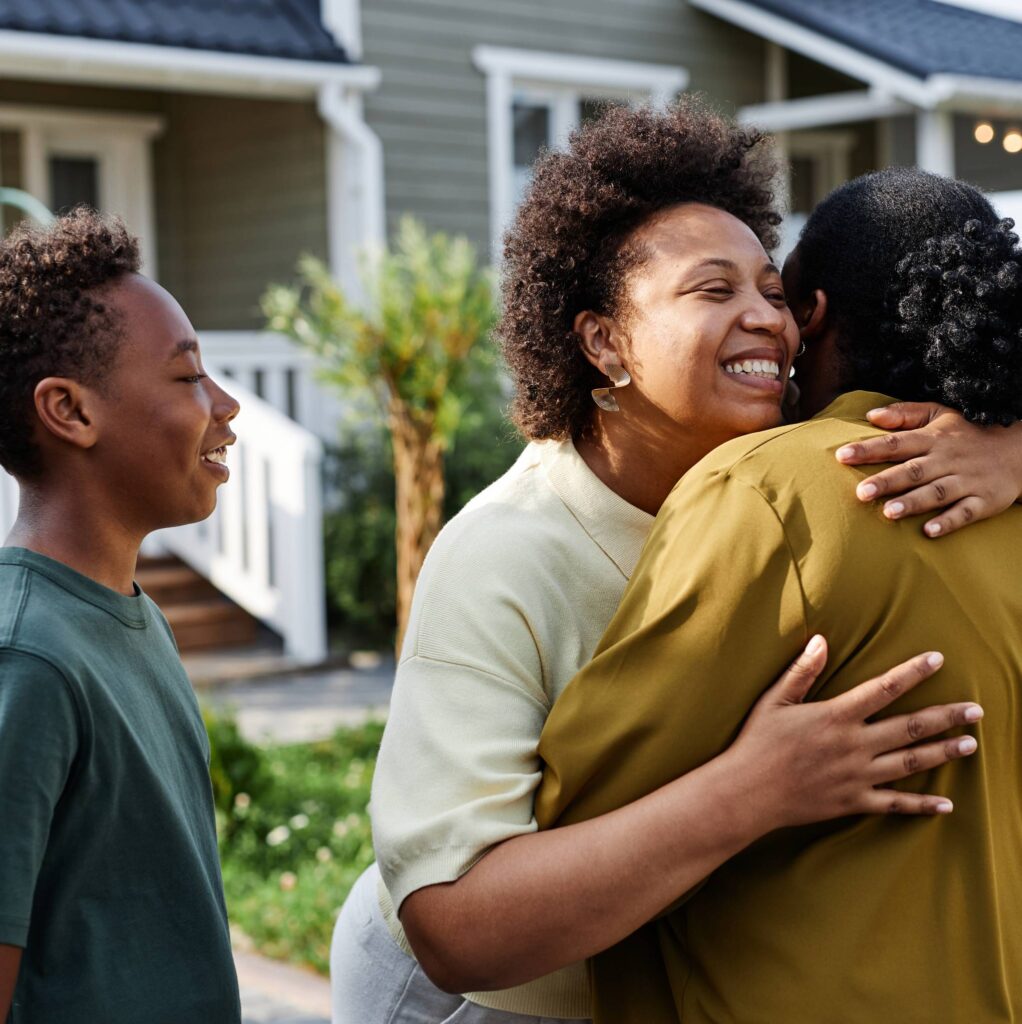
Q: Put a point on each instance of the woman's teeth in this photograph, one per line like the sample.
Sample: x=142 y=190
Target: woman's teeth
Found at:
x=757 y=367
x=217 y=455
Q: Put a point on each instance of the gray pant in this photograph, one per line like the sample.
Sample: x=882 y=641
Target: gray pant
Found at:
x=375 y=982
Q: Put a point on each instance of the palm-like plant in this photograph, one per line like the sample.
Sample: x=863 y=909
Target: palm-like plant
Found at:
x=428 y=304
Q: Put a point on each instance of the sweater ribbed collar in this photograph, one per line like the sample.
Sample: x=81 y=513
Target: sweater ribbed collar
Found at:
x=618 y=528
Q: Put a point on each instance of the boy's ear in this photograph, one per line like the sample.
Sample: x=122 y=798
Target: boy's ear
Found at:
x=600 y=339
x=812 y=316
x=64 y=408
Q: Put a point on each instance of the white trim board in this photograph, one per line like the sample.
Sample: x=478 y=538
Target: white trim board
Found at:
x=821 y=111
x=74 y=59
x=511 y=71
x=925 y=93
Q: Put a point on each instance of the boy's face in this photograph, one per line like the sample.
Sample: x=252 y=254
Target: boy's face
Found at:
x=163 y=426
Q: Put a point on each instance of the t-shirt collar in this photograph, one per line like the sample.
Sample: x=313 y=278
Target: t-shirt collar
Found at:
x=853 y=405
x=618 y=528
x=130 y=610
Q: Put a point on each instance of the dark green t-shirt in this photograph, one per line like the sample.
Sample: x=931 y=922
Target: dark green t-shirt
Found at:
x=109 y=875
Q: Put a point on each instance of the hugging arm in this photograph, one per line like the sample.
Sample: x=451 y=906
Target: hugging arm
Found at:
x=10 y=960
x=942 y=463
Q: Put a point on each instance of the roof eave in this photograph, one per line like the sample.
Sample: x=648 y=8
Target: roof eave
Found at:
x=138 y=65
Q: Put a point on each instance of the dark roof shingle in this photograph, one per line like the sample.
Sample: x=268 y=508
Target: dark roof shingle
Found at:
x=921 y=37
x=267 y=28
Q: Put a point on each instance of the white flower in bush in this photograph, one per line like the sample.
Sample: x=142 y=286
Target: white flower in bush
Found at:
x=278 y=835
x=242 y=801
x=288 y=880
x=299 y=821
x=323 y=854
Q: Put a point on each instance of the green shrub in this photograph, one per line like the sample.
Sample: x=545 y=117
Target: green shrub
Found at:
x=291 y=853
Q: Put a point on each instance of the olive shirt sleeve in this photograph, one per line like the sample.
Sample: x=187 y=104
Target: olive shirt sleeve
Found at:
x=39 y=738
x=712 y=615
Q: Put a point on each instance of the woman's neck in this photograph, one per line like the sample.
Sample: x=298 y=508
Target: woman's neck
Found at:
x=638 y=463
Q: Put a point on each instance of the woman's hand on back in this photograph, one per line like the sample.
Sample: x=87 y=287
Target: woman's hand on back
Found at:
x=944 y=462
x=821 y=760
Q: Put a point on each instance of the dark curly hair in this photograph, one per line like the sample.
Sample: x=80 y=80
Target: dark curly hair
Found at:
x=924 y=281
x=567 y=249
x=51 y=321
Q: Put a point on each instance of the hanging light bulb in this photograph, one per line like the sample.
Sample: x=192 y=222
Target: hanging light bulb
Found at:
x=1013 y=141
x=984 y=132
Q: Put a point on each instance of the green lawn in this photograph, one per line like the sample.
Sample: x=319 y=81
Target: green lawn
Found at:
x=294 y=834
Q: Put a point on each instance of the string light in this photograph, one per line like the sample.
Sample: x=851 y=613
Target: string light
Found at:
x=984 y=132
x=1013 y=141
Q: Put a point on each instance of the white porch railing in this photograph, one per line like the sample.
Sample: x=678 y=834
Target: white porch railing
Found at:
x=263 y=546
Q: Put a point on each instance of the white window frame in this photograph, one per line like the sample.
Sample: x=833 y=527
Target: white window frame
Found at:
x=120 y=143
x=561 y=80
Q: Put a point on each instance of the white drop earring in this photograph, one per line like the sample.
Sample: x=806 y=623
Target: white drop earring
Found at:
x=620 y=378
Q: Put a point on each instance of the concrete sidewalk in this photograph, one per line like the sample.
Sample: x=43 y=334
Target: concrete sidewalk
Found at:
x=276 y=993
x=306 y=707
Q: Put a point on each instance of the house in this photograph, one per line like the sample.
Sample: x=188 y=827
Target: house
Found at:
x=234 y=135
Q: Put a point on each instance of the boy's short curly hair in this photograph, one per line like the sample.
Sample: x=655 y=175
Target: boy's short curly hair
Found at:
x=924 y=281
x=566 y=251
x=51 y=321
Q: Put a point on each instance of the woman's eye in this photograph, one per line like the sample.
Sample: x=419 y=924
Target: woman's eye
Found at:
x=718 y=290
x=194 y=379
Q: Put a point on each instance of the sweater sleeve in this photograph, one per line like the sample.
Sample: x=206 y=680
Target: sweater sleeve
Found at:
x=458 y=767
x=38 y=743
x=712 y=615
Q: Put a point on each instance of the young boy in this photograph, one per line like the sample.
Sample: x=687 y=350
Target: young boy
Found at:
x=111 y=900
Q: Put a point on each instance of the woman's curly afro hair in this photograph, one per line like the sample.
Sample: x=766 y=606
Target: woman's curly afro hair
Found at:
x=567 y=249
x=924 y=281
x=52 y=323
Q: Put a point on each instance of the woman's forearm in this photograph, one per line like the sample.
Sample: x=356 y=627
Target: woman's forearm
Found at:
x=542 y=901
x=538 y=902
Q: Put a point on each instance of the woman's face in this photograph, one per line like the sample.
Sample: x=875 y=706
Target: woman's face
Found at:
x=708 y=337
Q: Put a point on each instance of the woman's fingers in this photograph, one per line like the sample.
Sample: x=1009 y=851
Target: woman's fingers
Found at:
x=937 y=495
x=885 y=448
x=900 y=764
x=968 y=510
x=872 y=696
x=900 y=479
x=798 y=678
x=901 y=730
x=905 y=415
x=893 y=801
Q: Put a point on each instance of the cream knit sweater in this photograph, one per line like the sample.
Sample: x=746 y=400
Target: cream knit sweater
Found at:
x=511 y=602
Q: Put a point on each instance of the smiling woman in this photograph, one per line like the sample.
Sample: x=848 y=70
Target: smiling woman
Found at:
x=638 y=257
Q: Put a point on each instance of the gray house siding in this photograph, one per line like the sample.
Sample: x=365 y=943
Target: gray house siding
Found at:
x=430 y=110
x=239 y=190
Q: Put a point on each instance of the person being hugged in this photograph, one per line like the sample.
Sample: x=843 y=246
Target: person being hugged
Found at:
x=111 y=899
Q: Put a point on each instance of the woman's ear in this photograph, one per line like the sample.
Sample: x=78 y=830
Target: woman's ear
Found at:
x=812 y=315
x=599 y=339
x=64 y=409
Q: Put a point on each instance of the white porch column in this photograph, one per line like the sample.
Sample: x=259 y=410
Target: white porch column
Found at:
x=355 y=197
x=935 y=142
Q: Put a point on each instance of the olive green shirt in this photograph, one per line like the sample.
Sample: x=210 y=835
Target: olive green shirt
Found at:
x=856 y=921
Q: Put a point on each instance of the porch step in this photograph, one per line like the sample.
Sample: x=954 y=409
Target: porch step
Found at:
x=200 y=616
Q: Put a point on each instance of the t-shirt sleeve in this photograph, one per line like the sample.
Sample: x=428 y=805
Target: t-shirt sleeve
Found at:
x=458 y=767
x=38 y=744
x=711 y=617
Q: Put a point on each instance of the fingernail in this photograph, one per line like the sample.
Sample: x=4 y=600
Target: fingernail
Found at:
x=815 y=645
x=935 y=659
x=945 y=807
x=875 y=412
x=973 y=714
x=867 y=491
x=894 y=509
x=848 y=452
x=932 y=529
x=967 y=745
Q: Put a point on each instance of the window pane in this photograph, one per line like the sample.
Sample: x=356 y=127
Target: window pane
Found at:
x=73 y=180
x=803 y=184
x=532 y=131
